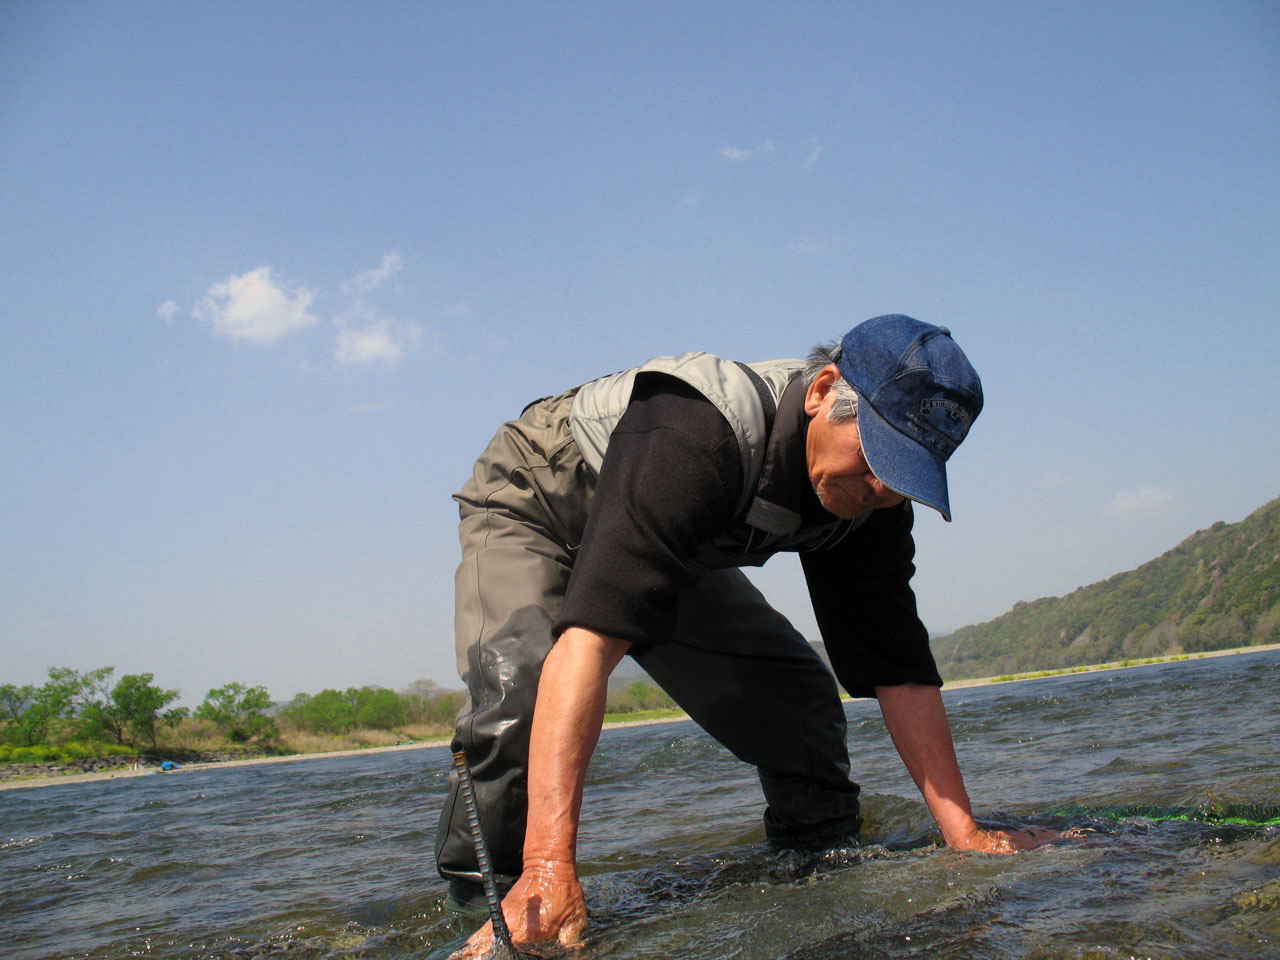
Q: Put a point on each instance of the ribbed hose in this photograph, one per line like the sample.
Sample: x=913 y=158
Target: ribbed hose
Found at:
x=501 y=934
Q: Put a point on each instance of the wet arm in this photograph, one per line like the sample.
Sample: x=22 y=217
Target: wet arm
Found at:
x=566 y=727
x=546 y=903
x=917 y=722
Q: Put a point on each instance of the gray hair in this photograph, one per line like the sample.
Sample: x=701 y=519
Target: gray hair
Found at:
x=845 y=406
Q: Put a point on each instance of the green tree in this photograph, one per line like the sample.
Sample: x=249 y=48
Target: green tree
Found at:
x=132 y=710
x=429 y=702
x=26 y=721
x=444 y=707
x=31 y=710
x=91 y=702
x=292 y=712
x=14 y=700
x=240 y=712
x=638 y=696
x=648 y=697
x=382 y=709
x=327 y=712
x=87 y=697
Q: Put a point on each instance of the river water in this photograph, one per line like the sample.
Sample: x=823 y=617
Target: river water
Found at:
x=332 y=858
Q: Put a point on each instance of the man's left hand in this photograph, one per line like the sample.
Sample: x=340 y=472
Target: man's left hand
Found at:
x=1006 y=841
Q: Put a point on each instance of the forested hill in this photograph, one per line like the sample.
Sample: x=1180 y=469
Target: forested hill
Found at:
x=1219 y=588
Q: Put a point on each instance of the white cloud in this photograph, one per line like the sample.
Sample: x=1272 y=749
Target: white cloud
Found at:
x=372 y=279
x=743 y=154
x=365 y=346
x=805 y=247
x=253 y=307
x=1139 y=500
x=814 y=154
x=168 y=310
x=364 y=337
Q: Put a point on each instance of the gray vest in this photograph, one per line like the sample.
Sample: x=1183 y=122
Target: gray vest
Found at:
x=764 y=527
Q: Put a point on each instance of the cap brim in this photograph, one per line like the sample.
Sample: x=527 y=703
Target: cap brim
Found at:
x=900 y=463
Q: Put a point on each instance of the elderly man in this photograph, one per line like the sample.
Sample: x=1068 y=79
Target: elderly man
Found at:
x=613 y=519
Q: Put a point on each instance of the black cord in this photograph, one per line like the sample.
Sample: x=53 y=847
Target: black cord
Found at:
x=501 y=934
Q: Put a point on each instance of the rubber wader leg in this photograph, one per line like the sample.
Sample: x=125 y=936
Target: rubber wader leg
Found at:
x=749 y=679
x=523 y=503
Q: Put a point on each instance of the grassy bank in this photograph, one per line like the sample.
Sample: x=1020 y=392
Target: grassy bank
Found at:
x=195 y=741
x=1114 y=665
x=643 y=716
x=310 y=746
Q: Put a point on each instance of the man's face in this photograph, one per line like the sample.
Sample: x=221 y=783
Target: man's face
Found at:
x=838 y=470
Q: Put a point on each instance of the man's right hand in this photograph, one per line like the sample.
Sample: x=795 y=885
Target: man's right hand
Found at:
x=546 y=903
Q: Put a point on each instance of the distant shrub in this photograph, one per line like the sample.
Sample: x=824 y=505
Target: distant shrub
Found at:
x=381 y=710
x=327 y=712
x=639 y=696
x=61 y=753
x=239 y=712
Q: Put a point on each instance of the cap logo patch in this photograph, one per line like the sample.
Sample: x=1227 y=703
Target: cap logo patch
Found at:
x=957 y=412
x=932 y=425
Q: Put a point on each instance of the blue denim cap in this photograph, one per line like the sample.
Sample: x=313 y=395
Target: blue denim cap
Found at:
x=917 y=397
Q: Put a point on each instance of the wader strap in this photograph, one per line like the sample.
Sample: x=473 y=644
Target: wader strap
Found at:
x=766 y=399
x=773 y=519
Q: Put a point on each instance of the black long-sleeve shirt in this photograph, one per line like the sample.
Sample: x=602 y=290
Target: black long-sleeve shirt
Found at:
x=671 y=480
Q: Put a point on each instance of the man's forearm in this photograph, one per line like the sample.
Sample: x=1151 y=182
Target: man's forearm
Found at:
x=566 y=726
x=546 y=903
x=917 y=722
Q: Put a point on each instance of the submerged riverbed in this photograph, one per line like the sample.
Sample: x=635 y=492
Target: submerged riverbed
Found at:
x=1172 y=768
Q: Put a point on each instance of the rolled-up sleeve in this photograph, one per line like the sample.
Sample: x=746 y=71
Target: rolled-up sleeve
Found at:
x=866 y=609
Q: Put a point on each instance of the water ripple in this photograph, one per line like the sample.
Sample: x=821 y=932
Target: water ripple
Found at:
x=332 y=858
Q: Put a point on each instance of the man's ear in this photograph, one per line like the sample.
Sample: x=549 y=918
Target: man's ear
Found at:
x=818 y=390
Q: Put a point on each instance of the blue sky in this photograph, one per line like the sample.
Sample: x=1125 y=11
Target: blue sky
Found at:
x=273 y=273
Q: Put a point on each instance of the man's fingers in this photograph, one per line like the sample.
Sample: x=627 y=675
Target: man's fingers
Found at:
x=480 y=943
x=1030 y=838
x=1043 y=835
x=1077 y=833
x=571 y=932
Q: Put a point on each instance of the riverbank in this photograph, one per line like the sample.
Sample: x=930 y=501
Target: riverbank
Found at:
x=125 y=773
x=1099 y=667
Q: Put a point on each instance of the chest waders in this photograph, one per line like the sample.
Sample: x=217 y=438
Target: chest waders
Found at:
x=733 y=663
